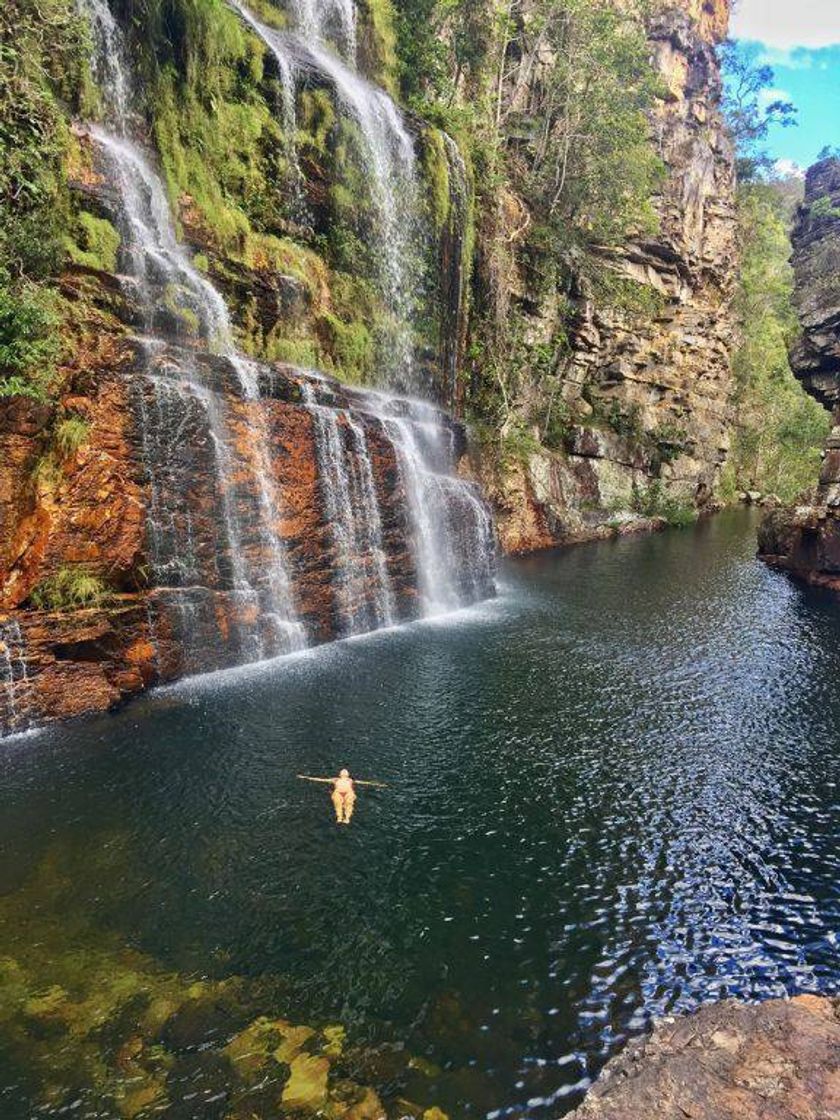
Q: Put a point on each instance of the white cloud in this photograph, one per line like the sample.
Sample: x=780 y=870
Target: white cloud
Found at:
x=794 y=58
x=766 y=97
x=785 y=25
x=789 y=169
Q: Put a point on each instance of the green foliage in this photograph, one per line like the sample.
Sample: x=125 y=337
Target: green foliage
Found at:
x=70 y=589
x=623 y=293
x=42 y=66
x=439 y=44
x=654 y=501
x=30 y=344
x=583 y=156
x=748 y=112
x=668 y=441
x=350 y=346
x=625 y=420
x=378 y=41
x=518 y=441
x=436 y=174
x=70 y=434
x=42 y=62
x=824 y=208
x=780 y=430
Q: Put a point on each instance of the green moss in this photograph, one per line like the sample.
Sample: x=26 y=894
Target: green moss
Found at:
x=349 y=346
x=295 y=351
x=436 y=173
x=184 y=314
x=316 y=120
x=270 y=14
x=622 y=293
x=378 y=42
x=95 y=243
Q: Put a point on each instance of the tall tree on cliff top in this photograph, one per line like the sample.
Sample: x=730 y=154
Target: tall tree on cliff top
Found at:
x=750 y=108
x=779 y=429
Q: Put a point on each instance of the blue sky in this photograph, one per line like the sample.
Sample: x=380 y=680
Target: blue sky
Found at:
x=800 y=39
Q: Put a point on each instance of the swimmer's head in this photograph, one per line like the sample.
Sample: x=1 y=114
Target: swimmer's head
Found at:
x=344 y=774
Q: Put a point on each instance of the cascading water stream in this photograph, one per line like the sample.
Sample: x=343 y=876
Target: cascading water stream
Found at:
x=352 y=512
x=454 y=540
x=170 y=288
x=451 y=526
x=13 y=678
x=328 y=21
x=391 y=163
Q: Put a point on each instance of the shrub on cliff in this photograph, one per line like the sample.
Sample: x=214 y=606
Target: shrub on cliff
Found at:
x=780 y=430
x=42 y=68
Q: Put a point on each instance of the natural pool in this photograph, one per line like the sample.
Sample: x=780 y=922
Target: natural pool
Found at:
x=612 y=793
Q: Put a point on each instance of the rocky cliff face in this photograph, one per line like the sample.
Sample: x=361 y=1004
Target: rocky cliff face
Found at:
x=215 y=510
x=164 y=502
x=648 y=393
x=805 y=539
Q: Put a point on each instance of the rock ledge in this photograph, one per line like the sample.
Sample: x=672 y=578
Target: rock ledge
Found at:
x=779 y=1060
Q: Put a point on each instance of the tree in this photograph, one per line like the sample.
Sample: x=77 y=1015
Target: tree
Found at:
x=749 y=109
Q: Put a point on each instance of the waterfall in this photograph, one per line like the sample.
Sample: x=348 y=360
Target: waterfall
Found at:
x=391 y=164
x=178 y=399
x=327 y=21
x=403 y=534
x=453 y=536
x=352 y=512
x=13 y=678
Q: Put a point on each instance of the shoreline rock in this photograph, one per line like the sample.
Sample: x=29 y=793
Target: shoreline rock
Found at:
x=778 y=1060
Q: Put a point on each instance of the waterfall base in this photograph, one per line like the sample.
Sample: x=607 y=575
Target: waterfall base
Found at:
x=377 y=525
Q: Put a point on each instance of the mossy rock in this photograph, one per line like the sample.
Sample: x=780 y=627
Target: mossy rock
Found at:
x=293 y=1041
x=306 y=1088
x=335 y=1037
x=435 y=163
x=95 y=243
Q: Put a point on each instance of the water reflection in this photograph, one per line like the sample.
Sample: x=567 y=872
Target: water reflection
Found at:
x=612 y=796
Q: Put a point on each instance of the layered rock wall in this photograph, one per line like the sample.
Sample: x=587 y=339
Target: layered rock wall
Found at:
x=805 y=539
x=649 y=393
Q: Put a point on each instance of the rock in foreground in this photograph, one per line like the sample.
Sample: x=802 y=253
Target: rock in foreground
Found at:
x=778 y=1060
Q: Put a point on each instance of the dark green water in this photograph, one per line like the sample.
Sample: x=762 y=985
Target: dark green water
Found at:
x=612 y=794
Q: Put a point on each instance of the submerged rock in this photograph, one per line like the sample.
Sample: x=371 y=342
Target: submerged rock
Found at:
x=779 y=1060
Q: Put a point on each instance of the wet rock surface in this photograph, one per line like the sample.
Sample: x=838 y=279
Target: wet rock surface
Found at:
x=142 y=506
x=804 y=539
x=778 y=1060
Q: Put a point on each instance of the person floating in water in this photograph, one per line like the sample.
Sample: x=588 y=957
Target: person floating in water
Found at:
x=343 y=794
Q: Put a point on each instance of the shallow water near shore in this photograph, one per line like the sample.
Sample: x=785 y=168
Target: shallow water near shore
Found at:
x=612 y=794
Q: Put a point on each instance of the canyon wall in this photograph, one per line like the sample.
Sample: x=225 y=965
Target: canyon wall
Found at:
x=180 y=502
x=267 y=261
x=646 y=390
x=805 y=539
